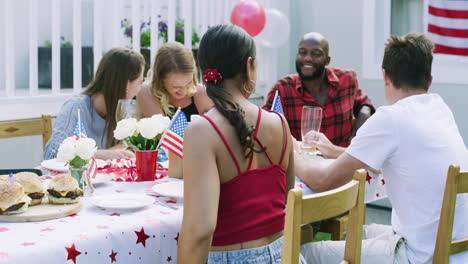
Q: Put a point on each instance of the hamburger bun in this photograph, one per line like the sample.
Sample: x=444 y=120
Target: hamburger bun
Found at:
x=10 y=195
x=32 y=186
x=4 y=178
x=64 y=189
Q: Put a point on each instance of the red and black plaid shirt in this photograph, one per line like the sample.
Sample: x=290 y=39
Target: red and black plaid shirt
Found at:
x=344 y=102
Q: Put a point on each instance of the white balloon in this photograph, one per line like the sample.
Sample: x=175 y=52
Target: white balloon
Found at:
x=276 y=30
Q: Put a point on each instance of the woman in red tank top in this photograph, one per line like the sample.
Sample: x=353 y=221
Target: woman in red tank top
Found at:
x=238 y=163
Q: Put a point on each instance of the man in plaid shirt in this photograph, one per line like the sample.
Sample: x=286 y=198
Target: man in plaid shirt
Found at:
x=333 y=89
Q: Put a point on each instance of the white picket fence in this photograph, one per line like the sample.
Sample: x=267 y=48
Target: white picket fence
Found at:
x=106 y=32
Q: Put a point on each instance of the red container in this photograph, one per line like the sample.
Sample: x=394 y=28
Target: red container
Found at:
x=146 y=164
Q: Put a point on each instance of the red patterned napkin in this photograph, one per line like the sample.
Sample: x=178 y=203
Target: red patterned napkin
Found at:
x=125 y=170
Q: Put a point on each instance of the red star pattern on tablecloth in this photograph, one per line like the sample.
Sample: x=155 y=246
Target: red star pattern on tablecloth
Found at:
x=3 y=229
x=141 y=237
x=72 y=253
x=113 y=256
x=300 y=185
x=73 y=215
x=48 y=229
x=177 y=238
x=169 y=259
x=368 y=178
x=383 y=181
x=377 y=194
x=28 y=244
x=172 y=200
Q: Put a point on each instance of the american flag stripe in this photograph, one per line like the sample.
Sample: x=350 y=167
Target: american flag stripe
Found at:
x=447 y=26
x=92 y=169
x=449 y=13
x=449 y=32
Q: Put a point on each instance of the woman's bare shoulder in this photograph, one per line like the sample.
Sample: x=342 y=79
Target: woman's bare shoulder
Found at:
x=147 y=102
x=202 y=100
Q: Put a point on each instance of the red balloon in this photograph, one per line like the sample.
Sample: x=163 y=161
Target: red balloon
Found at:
x=249 y=15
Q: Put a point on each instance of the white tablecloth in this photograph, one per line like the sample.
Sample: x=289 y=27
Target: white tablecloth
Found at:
x=375 y=183
x=93 y=235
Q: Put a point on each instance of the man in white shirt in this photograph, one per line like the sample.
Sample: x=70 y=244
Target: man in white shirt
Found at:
x=412 y=141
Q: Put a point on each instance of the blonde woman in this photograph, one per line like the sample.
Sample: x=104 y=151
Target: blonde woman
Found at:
x=173 y=83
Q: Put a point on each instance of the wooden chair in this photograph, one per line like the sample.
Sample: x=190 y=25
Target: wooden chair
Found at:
x=28 y=127
x=457 y=182
x=320 y=206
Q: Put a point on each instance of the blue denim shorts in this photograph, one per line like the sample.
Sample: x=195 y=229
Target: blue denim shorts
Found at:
x=267 y=254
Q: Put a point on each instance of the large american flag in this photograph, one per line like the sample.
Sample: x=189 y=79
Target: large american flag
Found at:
x=173 y=138
x=276 y=105
x=447 y=26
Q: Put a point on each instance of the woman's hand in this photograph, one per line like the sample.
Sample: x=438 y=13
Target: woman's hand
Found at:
x=108 y=154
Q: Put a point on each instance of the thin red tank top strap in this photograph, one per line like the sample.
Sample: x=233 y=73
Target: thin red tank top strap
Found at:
x=225 y=142
x=257 y=125
x=285 y=133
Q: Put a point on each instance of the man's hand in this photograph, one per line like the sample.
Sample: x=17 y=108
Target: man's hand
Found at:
x=323 y=144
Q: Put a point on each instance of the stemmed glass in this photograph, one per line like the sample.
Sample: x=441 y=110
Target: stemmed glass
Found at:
x=126 y=108
x=310 y=121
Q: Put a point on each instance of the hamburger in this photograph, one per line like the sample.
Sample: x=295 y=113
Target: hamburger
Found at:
x=12 y=198
x=64 y=189
x=32 y=186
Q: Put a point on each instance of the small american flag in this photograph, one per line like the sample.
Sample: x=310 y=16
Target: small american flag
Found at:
x=276 y=105
x=79 y=130
x=173 y=138
x=447 y=26
x=92 y=169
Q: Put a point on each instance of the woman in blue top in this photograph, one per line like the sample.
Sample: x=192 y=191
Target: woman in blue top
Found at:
x=119 y=76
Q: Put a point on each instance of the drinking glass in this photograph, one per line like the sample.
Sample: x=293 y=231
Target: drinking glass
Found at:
x=126 y=108
x=310 y=121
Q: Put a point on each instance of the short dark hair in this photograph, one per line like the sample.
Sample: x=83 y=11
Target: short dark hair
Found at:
x=408 y=61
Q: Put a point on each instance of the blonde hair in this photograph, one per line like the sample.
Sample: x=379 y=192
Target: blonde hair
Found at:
x=171 y=58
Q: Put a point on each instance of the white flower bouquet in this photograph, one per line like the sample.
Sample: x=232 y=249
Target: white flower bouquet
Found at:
x=76 y=151
x=144 y=134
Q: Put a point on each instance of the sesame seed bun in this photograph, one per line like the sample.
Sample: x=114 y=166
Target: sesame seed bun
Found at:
x=30 y=182
x=64 y=182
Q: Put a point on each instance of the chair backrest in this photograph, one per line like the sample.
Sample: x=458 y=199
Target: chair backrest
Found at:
x=312 y=208
x=457 y=182
x=28 y=127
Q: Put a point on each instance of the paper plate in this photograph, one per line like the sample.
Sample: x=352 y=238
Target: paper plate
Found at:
x=55 y=165
x=173 y=189
x=122 y=201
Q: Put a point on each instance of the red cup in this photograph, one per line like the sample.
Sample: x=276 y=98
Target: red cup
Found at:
x=146 y=164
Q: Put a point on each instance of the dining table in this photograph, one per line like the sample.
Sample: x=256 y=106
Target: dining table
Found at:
x=117 y=235
x=99 y=235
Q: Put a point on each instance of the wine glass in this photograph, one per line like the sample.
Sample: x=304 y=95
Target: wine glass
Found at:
x=126 y=108
x=310 y=121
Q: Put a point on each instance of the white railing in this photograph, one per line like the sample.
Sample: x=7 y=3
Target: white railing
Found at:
x=106 y=32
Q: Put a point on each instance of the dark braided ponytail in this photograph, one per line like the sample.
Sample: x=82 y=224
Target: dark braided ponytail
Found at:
x=225 y=49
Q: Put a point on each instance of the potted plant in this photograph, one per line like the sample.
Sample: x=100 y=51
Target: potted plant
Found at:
x=77 y=153
x=143 y=137
x=145 y=37
x=66 y=64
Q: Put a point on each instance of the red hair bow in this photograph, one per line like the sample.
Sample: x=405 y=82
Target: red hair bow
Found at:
x=212 y=75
